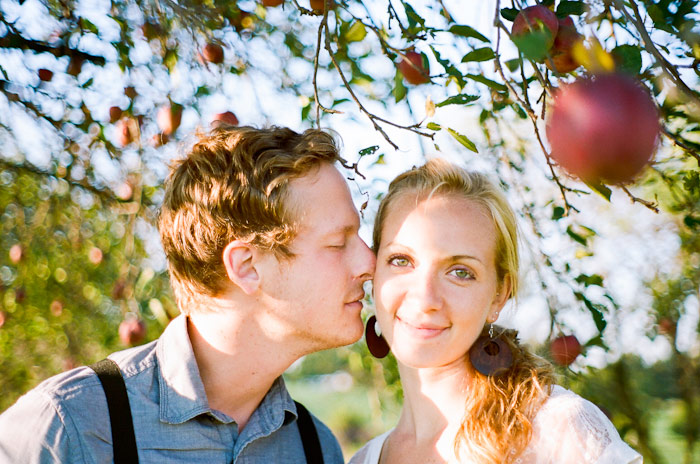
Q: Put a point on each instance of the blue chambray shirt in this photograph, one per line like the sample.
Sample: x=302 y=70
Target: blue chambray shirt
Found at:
x=65 y=419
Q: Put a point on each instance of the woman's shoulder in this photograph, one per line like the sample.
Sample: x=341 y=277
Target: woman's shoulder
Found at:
x=371 y=451
x=567 y=425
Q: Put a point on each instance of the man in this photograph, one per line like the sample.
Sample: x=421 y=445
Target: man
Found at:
x=266 y=264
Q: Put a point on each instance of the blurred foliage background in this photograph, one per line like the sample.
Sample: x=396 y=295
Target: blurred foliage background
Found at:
x=96 y=97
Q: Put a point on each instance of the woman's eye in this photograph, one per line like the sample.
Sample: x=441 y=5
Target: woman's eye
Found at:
x=399 y=261
x=462 y=273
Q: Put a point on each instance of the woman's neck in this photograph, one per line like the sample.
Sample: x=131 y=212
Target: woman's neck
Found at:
x=434 y=401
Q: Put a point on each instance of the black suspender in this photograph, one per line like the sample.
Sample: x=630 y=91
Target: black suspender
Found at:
x=309 y=437
x=124 y=441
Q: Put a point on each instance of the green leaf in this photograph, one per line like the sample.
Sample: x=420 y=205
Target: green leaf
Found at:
x=587 y=280
x=356 y=32
x=87 y=25
x=414 y=18
x=601 y=189
x=535 y=44
x=459 y=99
x=492 y=84
x=463 y=140
x=513 y=64
x=628 y=59
x=576 y=236
x=434 y=126
x=558 y=213
x=480 y=54
x=570 y=8
x=369 y=150
x=399 y=90
x=449 y=69
x=467 y=31
x=595 y=310
x=509 y=13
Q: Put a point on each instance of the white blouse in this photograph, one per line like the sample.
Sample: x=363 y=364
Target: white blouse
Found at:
x=567 y=429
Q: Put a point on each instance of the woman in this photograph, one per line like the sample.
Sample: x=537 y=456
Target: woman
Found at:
x=447 y=262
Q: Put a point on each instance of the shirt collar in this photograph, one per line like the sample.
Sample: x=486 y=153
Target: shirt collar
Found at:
x=182 y=394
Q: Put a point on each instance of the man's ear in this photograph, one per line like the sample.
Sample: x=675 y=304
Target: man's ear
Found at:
x=239 y=260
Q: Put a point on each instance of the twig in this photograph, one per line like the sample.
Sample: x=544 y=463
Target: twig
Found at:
x=372 y=117
x=681 y=144
x=652 y=205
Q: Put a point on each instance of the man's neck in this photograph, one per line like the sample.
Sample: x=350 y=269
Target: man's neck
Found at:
x=237 y=363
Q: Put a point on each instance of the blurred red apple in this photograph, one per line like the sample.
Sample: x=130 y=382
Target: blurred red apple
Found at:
x=127 y=131
x=16 y=253
x=561 y=60
x=213 y=53
x=225 y=118
x=45 y=74
x=20 y=295
x=114 y=114
x=169 y=118
x=667 y=326
x=320 y=4
x=95 y=255
x=56 y=308
x=603 y=129
x=132 y=331
x=3 y=318
x=415 y=68
x=272 y=3
x=535 y=19
x=124 y=191
x=565 y=349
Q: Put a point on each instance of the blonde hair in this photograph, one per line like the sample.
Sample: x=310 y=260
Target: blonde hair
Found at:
x=233 y=185
x=499 y=411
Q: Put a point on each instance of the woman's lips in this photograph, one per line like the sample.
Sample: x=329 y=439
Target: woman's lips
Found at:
x=421 y=330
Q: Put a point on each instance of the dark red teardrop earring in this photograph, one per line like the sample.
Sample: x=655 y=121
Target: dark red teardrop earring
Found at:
x=376 y=344
x=491 y=355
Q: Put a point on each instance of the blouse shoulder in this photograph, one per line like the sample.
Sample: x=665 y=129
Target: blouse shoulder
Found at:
x=371 y=451
x=569 y=428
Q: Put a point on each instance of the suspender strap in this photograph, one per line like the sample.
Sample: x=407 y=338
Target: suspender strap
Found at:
x=123 y=440
x=309 y=437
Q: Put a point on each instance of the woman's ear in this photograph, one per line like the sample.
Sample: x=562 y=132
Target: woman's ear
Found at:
x=503 y=295
x=239 y=261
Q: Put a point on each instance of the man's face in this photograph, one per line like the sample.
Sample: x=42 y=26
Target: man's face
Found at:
x=315 y=296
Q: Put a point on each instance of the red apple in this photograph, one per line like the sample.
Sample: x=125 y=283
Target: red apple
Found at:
x=132 y=331
x=272 y=3
x=95 y=255
x=16 y=253
x=45 y=74
x=213 y=53
x=603 y=129
x=3 y=318
x=415 y=68
x=225 y=118
x=56 y=308
x=536 y=18
x=114 y=114
x=565 y=349
x=561 y=60
x=169 y=118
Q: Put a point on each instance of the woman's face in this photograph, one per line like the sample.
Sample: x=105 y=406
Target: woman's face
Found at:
x=435 y=285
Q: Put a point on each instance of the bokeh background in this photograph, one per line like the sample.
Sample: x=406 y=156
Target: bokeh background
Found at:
x=97 y=97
